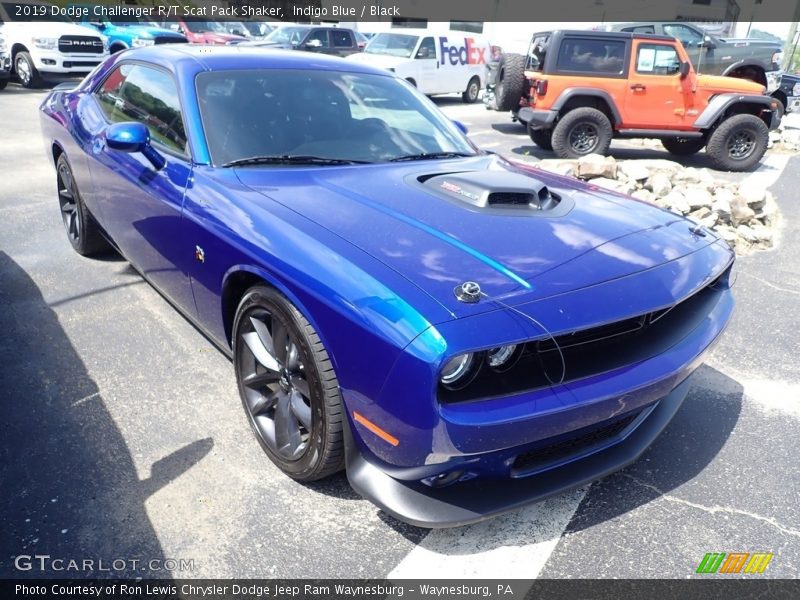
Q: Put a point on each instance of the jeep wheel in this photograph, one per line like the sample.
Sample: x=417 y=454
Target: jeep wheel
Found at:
x=510 y=81
x=26 y=72
x=582 y=131
x=738 y=143
x=542 y=138
x=470 y=95
x=683 y=146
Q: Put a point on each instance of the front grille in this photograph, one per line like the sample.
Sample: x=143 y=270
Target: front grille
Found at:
x=80 y=44
x=73 y=64
x=586 y=440
x=591 y=351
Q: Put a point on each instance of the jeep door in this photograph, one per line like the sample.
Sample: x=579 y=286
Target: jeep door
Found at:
x=657 y=97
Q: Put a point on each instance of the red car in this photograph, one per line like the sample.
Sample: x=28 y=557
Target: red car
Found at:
x=203 y=32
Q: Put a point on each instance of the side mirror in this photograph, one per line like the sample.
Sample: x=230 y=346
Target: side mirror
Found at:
x=100 y=26
x=314 y=44
x=708 y=42
x=134 y=137
x=461 y=127
x=684 y=69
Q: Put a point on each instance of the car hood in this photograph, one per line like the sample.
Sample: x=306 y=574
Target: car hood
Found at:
x=720 y=84
x=430 y=236
x=382 y=61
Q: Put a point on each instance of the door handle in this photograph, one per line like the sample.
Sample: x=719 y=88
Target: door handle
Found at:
x=638 y=87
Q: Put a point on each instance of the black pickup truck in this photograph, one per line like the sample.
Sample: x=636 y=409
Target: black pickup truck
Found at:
x=746 y=58
x=788 y=91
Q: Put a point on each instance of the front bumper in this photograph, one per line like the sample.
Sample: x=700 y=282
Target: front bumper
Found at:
x=793 y=103
x=53 y=62
x=479 y=499
x=5 y=65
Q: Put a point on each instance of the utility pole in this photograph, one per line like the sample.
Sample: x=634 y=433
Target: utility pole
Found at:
x=791 y=45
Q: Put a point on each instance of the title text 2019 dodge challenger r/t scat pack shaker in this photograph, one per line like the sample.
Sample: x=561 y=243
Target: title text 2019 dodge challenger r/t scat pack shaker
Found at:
x=463 y=334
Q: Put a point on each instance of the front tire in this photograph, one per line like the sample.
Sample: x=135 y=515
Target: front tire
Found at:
x=26 y=71
x=287 y=386
x=542 y=138
x=3 y=83
x=738 y=143
x=683 y=146
x=582 y=131
x=82 y=230
x=470 y=95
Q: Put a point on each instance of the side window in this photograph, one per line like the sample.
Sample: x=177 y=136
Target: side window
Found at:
x=537 y=52
x=592 y=56
x=686 y=35
x=657 y=59
x=640 y=29
x=427 y=48
x=318 y=35
x=342 y=39
x=147 y=95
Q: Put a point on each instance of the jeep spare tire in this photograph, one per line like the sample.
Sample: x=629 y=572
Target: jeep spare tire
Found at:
x=510 y=81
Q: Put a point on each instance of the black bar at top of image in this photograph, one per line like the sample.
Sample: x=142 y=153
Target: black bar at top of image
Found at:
x=712 y=588
x=419 y=12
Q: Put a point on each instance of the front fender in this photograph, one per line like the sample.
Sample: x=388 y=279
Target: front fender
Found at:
x=722 y=102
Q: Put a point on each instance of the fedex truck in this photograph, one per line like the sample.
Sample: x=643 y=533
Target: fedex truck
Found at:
x=434 y=63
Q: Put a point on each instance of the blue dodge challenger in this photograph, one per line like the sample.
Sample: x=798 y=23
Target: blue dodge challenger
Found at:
x=463 y=334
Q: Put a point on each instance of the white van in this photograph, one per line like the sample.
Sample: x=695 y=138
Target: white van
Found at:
x=436 y=63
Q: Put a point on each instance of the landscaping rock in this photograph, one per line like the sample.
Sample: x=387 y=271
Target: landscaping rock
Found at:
x=659 y=183
x=595 y=165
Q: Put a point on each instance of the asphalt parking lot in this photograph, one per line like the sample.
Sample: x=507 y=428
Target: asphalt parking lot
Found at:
x=122 y=435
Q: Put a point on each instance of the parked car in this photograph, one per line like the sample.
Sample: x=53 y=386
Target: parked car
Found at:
x=130 y=33
x=463 y=334
x=787 y=91
x=202 y=32
x=5 y=62
x=747 y=58
x=579 y=89
x=247 y=30
x=433 y=63
x=46 y=46
x=337 y=41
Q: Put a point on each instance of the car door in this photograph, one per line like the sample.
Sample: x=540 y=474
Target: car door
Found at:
x=427 y=67
x=657 y=97
x=317 y=41
x=343 y=43
x=141 y=205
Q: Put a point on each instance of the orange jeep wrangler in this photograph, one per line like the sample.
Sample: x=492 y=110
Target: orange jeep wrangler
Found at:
x=576 y=90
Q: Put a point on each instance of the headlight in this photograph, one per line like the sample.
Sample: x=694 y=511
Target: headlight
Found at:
x=459 y=371
x=777 y=58
x=3 y=43
x=796 y=89
x=45 y=43
x=141 y=42
x=502 y=358
x=105 y=43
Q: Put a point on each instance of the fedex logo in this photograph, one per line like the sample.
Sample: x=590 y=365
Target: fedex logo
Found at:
x=468 y=54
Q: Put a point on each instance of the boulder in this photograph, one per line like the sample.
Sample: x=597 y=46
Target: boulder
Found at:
x=595 y=165
x=634 y=170
x=659 y=183
x=747 y=234
x=740 y=212
x=698 y=196
x=753 y=193
x=558 y=166
x=721 y=203
x=677 y=202
x=645 y=195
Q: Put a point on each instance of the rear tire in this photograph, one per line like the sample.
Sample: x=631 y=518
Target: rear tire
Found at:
x=26 y=71
x=683 y=146
x=473 y=91
x=582 y=131
x=738 y=143
x=510 y=82
x=542 y=138
x=3 y=83
x=287 y=386
x=82 y=230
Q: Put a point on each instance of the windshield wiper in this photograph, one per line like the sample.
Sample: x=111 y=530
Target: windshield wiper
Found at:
x=289 y=159
x=431 y=155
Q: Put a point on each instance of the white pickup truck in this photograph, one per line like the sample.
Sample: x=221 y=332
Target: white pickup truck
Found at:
x=43 y=45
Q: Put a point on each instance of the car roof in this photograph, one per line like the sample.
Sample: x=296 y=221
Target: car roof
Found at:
x=625 y=35
x=196 y=58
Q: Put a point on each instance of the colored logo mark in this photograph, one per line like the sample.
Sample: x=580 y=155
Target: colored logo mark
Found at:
x=734 y=562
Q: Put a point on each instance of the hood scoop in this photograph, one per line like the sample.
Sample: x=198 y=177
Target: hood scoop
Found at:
x=499 y=192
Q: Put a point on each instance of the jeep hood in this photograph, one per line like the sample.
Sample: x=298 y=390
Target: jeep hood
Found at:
x=723 y=85
x=408 y=216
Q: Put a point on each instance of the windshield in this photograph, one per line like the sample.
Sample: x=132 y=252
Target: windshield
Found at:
x=204 y=26
x=392 y=44
x=21 y=11
x=131 y=20
x=332 y=115
x=287 y=35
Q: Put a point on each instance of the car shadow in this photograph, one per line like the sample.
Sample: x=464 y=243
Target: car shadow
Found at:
x=684 y=449
x=70 y=486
